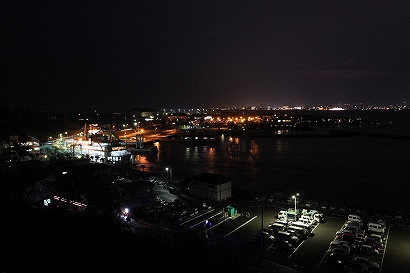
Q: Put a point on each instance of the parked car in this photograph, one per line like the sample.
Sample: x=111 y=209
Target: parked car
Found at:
x=355 y=223
x=337 y=244
x=344 y=234
x=337 y=260
x=309 y=223
x=282 y=215
x=276 y=227
x=375 y=228
x=261 y=239
x=297 y=231
x=284 y=222
x=351 y=245
x=303 y=233
x=368 y=250
x=377 y=237
x=292 y=216
x=354 y=217
x=287 y=236
x=308 y=204
x=268 y=239
x=267 y=231
x=285 y=246
x=348 y=237
x=339 y=250
x=377 y=221
x=319 y=217
x=377 y=241
x=352 y=228
x=358 y=268
x=370 y=243
x=271 y=199
x=369 y=264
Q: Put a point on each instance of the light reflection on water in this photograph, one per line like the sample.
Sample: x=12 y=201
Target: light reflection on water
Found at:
x=349 y=170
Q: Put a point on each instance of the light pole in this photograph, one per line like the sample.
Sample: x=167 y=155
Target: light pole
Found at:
x=295 y=197
x=127 y=214
x=170 y=175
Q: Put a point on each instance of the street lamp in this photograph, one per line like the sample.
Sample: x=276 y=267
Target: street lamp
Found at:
x=126 y=214
x=294 y=197
x=170 y=175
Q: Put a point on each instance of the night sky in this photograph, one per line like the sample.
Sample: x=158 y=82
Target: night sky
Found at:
x=116 y=55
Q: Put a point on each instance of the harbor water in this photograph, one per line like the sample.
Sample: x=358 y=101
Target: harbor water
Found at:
x=362 y=171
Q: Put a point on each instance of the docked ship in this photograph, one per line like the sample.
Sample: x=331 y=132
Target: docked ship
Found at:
x=99 y=151
x=92 y=144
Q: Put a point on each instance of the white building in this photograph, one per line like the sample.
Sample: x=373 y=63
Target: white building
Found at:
x=210 y=186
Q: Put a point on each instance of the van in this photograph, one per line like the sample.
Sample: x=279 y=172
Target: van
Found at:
x=291 y=216
x=282 y=215
x=354 y=217
x=354 y=223
x=319 y=217
x=375 y=228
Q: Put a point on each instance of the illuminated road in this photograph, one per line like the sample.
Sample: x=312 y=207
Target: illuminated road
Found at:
x=149 y=135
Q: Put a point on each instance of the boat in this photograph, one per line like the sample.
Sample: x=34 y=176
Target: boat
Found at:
x=144 y=148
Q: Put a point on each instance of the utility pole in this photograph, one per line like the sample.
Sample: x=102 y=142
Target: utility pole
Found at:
x=220 y=189
x=263 y=197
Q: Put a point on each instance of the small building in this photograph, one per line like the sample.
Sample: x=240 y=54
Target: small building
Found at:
x=210 y=187
x=136 y=194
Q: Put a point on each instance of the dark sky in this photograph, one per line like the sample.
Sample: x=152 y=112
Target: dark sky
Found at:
x=116 y=55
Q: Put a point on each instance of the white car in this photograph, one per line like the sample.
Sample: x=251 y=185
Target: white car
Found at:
x=375 y=228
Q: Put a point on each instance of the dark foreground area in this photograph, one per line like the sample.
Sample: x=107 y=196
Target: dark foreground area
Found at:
x=58 y=240
x=33 y=241
x=96 y=240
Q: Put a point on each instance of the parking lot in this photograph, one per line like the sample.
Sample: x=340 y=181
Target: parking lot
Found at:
x=314 y=249
x=240 y=231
